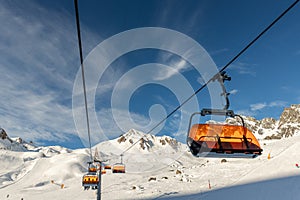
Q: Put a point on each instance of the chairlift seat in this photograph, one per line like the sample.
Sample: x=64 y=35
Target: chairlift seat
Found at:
x=222 y=138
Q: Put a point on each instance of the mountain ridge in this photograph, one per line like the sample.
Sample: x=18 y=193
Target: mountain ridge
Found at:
x=269 y=128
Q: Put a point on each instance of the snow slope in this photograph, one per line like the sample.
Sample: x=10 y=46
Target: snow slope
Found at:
x=156 y=170
x=277 y=178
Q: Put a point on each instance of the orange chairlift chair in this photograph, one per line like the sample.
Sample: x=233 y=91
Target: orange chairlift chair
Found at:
x=90 y=180
x=221 y=138
x=119 y=167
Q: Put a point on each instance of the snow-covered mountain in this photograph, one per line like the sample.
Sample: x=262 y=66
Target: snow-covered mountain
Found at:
x=148 y=142
x=156 y=151
x=16 y=144
x=270 y=128
x=145 y=143
x=158 y=167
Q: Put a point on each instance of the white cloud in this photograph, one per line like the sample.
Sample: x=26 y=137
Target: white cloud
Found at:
x=39 y=59
x=260 y=106
x=257 y=106
x=245 y=112
x=178 y=66
x=243 y=68
x=219 y=51
x=35 y=116
x=184 y=19
x=278 y=104
x=201 y=80
x=234 y=91
x=254 y=108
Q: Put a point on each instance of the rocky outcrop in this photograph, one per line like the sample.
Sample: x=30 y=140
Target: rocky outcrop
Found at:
x=289 y=122
x=6 y=143
x=3 y=135
x=268 y=123
x=270 y=128
x=290 y=115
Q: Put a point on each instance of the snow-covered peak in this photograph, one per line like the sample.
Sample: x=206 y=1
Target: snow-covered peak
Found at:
x=137 y=147
x=147 y=142
x=134 y=134
x=7 y=143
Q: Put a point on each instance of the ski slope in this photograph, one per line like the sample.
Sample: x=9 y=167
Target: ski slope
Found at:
x=40 y=172
x=276 y=178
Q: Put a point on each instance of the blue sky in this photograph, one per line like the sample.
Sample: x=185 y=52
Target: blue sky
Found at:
x=40 y=63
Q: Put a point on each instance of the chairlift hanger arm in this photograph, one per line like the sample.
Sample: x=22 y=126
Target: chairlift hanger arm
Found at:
x=221 y=77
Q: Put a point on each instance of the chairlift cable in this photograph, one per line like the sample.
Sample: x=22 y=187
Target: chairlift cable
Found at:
x=221 y=70
x=83 y=77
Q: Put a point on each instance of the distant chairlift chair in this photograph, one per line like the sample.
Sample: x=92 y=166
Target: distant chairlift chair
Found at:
x=90 y=180
x=118 y=168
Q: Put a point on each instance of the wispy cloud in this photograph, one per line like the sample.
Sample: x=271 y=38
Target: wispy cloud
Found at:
x=257 y=106
x=244 y=68
x=246 y=112
x=201 y=80
x=278 y=104
x=178 y=66
x=260 y=106
x=187 y=20
x=257 y=109
x=219 y=51
x=233 y=92
x=38 y=64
